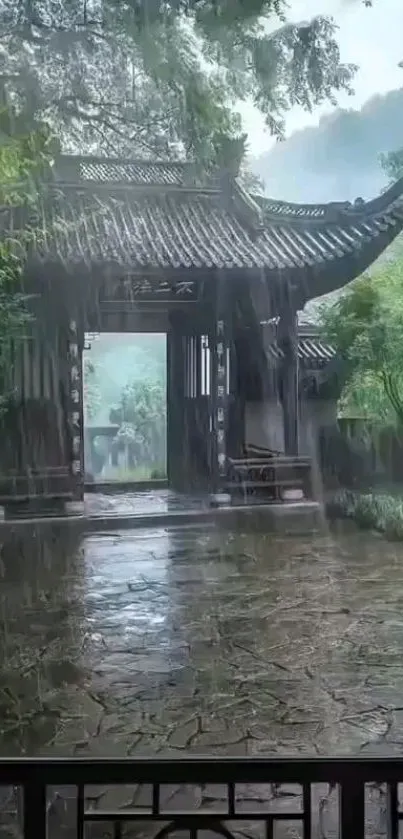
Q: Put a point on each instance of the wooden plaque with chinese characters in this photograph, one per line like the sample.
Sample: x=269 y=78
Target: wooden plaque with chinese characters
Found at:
x=137 y=290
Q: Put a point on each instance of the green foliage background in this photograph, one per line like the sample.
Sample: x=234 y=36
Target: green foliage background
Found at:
x=163 y=77
x=118 y=361
x=125 y=384
x=366 y=326
x=25 y=156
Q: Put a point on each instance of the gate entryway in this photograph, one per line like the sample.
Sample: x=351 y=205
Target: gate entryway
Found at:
x=190 y=426
x=189 y=417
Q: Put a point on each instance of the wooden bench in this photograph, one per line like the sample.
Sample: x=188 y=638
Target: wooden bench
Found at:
x=267 y=473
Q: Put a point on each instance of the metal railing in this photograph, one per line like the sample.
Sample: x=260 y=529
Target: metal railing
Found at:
x=350 y=775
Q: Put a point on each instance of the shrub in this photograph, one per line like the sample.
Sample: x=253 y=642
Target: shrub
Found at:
x=379 y=511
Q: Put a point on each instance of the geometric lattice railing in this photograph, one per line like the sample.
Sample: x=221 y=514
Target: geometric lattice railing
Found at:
x=240 y=798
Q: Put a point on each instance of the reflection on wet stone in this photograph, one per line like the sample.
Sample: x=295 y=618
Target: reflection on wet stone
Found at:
x=174 y=641
x=41 y=619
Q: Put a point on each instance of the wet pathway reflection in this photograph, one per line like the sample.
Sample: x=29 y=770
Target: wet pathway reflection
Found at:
x=142 y=503
x=193 y=641
x=200 y=642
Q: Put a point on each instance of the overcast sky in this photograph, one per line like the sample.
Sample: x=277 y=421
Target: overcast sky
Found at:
x=369 y=37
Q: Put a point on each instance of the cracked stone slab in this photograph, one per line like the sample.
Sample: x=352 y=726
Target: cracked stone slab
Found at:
x=187 y=641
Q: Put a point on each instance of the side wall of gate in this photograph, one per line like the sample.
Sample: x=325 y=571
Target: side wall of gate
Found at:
x=36 y=458
x=189 y=425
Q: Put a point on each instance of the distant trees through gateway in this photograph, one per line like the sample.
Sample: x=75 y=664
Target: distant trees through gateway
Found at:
x=125 y=406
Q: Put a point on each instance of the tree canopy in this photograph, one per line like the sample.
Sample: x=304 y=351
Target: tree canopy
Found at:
x=393 y=164
x=113 y=362
x=366 y=326
x=141 y=416
x=163 y=77
x=24 y=154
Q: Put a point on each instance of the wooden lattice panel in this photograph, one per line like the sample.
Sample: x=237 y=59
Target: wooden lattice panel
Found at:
x=97 y=171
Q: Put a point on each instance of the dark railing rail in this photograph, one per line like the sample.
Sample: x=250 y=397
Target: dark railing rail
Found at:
x=270 y=475
x=351 y=775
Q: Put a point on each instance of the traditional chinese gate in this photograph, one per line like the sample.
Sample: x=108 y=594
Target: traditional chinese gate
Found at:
x=183 y=310
x=147 y=239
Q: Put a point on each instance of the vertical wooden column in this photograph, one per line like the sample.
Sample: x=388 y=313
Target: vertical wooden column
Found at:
x=75 y=408
x=237 y=402
x=175 y=403
x=287 y=338
x=169 y=406
x=220 y=379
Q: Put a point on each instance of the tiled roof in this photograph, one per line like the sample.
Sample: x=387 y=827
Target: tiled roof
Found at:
x=142 y=215
x=310 y=235
x=156 y=229
x=310 y=350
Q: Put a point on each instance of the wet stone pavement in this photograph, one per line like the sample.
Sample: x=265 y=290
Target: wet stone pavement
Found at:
x=142 y=502
x=192 y=641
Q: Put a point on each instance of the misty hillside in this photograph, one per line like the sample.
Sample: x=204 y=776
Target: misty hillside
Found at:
x=338 y=160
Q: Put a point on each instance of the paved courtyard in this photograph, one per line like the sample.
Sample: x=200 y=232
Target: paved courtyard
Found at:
x=192 y=641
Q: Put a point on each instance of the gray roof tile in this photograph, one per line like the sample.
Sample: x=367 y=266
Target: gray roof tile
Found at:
x=310 y=351
x=144 y=215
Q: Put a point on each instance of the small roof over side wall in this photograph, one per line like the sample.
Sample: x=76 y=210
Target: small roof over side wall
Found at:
x=156 y=216
x=313 y=351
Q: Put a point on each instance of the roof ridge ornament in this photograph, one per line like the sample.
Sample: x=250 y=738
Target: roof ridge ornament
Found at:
x=378 y=205
x=247 y=206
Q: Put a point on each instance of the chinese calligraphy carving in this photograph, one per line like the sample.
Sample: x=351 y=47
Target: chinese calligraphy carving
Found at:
x=221 y=397
x=75 y=399
x=143 y=289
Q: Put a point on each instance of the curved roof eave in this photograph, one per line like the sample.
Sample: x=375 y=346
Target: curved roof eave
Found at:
x=323 y=278
x=330 y=245
x=332 y=212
